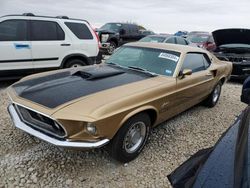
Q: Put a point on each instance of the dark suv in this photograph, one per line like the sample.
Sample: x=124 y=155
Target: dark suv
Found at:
x=113 y=35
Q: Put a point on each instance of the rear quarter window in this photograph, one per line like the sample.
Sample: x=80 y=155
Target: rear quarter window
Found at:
x=80 y=30
x=207 y=61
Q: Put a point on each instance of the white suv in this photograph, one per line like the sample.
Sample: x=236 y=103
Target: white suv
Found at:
x=30 y=44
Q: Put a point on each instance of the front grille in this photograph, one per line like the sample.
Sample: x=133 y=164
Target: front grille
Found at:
x=40 y=122
x=235 y=58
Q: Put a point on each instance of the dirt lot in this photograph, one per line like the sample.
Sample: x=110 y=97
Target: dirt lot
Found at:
x=26 y=161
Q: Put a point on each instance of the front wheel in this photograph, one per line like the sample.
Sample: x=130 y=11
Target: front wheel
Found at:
x=131 y=138
x=111 y=48
x=213 y=98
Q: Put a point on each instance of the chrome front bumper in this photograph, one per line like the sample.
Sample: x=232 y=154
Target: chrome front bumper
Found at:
x=61 y=143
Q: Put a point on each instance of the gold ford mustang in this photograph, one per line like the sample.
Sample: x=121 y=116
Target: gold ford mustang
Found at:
x=118 y=102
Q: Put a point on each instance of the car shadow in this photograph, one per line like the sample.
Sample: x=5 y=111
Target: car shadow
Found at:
x=236 y=81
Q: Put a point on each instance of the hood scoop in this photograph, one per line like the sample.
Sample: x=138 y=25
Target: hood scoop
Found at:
x=97 y=73
x=54 y=90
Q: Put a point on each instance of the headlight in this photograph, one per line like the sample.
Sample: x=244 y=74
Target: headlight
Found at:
x=91 y=128
x=105 y=37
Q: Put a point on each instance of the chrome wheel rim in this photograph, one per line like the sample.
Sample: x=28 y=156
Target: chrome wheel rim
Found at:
x=216 y=93
x=135 y=137
x=111 y=48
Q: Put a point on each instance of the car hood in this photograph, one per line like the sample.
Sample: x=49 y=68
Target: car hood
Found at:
x=90 y=87
x=103 y=31
x=224 y=165
x=231 y=36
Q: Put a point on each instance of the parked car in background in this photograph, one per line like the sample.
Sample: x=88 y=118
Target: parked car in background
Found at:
x=146 y=32
x=165 y=39
x=113 y=35
x=197 y=33
x=234 y=45
x=225 y=165
x=117 y=102
x=202 y=40
x=32 y=43
x=181 y=34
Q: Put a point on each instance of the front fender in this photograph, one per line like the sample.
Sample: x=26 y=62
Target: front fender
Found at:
x=137 y=111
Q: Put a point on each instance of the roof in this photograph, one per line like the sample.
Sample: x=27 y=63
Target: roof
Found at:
x=160 y=35
x=167 y=46
x=30 y=15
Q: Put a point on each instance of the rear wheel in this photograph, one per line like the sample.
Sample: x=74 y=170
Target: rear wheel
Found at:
x=213 y=98
x=74 y=63
x=131 y=138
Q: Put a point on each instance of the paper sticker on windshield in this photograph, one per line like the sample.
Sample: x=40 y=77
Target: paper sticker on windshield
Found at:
x=169 y=56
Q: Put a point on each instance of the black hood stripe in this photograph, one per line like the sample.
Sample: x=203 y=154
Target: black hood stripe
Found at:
x=57 y=89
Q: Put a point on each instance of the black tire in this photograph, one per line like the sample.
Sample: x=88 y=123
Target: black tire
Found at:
x=75 y=63
x=213 y=98
x=111 y=48
x=118 y=146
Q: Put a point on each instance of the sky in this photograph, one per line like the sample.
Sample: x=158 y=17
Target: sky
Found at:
x=161 y=16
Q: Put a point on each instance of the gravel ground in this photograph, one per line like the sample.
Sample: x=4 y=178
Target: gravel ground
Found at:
x=26 y=161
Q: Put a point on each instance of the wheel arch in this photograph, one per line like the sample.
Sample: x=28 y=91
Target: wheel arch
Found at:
x=150 y=110
x=115 y=40
x=82 y=57
x=222 y=80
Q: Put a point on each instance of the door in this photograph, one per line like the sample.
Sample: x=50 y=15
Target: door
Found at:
x=48 y=44
x=125 y=36
x=135 y=34
x=193 y=88
x=15 y=53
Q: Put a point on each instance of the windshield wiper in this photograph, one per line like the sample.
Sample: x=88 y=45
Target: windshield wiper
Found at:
x=111 y=63
x=142 y=70
x=117 y=65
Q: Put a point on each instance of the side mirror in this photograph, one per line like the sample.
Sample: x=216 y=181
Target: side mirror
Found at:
x=122 y=31
x=245 y=94
x=185 y=72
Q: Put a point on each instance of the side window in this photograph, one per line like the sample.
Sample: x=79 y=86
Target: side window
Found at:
x=126 y=29
x=80 y=30
x=181 y=41
x=46 y=31
x=207 y=61
x=14 y=30
x=194 y=61
x=170 y=40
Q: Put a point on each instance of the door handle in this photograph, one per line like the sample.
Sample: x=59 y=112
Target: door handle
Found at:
x=20 y=46
x=65 y=44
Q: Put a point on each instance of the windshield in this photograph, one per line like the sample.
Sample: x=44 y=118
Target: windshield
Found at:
x=152 y=60
x=111 y=27
x=198 y=39
x=152 y=39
